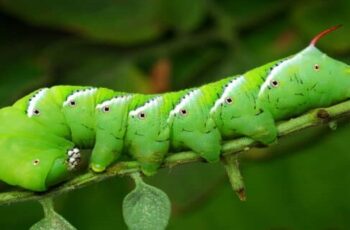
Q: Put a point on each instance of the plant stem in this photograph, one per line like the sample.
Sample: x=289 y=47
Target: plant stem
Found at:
x=234 y=175
x=312 y=118
x=47 y=204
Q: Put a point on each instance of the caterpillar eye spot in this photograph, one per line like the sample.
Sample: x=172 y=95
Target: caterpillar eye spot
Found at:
x=274 y=83
x=36 y=162
x=317 y=67
x=36 y=112
x=106 y=109
x=72 y=103
x=183 y=112
x=142 y=115
x=229 y=100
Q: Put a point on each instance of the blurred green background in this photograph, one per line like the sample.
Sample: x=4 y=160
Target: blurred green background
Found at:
x=160 y=45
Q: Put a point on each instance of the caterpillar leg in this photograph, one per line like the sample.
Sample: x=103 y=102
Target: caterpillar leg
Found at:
x=261 y=128
x=206 y=142
x=105 y=152
x=207 y=145
x=148 y=151
x=257 y=124
x=150 y=156
x=150 y=163
x=148 y=145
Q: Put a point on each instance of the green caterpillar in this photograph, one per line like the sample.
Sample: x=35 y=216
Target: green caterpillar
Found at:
x=41 y=134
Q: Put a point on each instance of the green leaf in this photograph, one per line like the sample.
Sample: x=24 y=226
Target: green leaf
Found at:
x=52 y=220
x=190 y=67
x=21 y=69
x=123 y=22
x=249 y=12
x=18 y=77
x=81 y=64
x=184 y=15
x=107 y=71
x=146 y=207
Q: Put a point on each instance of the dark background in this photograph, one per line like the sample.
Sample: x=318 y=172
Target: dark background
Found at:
x=160 y=45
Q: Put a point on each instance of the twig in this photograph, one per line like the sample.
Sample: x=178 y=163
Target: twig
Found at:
x=312 y=118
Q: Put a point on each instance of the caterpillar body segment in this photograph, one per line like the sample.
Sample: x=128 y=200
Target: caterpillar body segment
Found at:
x=41 y=134
x=147 y=138
x=193 y=127
x=42 y=106
x=238 y=111
x=111 y=124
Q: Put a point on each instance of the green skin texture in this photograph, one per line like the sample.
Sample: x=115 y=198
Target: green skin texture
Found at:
x=147 y=127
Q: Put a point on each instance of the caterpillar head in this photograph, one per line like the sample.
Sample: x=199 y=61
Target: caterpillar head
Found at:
x=306 y=80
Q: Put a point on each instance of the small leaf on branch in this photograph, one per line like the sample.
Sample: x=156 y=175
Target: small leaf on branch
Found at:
x=146 y=207
x=52 y=219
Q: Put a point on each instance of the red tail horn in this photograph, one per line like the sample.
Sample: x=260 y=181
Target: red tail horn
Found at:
x=323 y=33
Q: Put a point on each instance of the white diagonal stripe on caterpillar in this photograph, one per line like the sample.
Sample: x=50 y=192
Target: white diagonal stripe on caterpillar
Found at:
x=114 y=101
x=151 y=103
x=232 y=85
x=34 y=101
x=185 y=100
x=79 y=93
